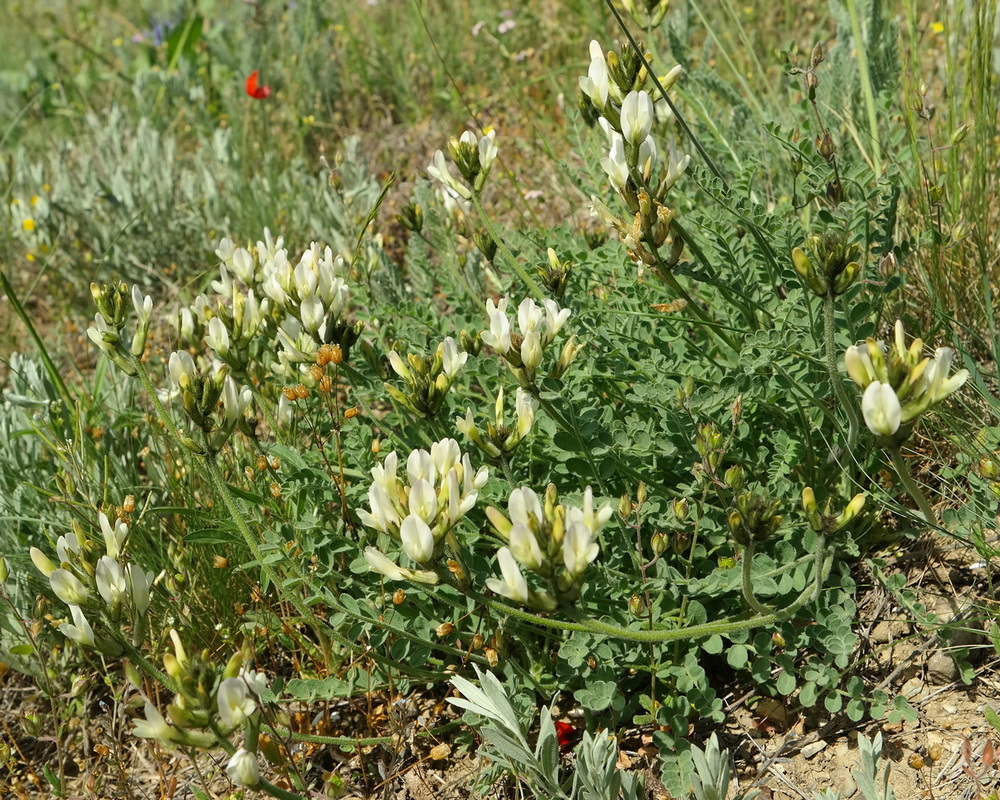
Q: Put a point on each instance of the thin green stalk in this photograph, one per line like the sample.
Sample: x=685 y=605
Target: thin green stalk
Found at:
x=509 y=256
x=43 y=353
x=276 y=791
x=832 y=367
x=912 y=488
x=348 y=741
x=269 y=418
x=866 y=86
x=219 y=484
x=142 y=662
x=670 y=279
x=746 y=582
x=722 y=627
x=161 y=410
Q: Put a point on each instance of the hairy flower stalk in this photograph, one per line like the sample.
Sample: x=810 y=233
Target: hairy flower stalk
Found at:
x=440 y=487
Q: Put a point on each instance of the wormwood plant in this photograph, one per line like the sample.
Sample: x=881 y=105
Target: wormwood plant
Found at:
x=680 y=491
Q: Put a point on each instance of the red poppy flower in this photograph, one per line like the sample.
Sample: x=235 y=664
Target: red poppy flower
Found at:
x=255 y=91
x=566 y=735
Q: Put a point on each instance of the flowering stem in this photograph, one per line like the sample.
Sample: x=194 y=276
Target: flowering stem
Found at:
x=154 y=398
x=142 y=662
x=219 y=484
x=670 y=279
x=722 y=626
x=912 y=488
x=518 y=267
x=747 y=582
x=830 y=346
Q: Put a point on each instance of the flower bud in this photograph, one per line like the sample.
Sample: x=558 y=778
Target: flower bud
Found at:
x=735 y=478
x=242 y=768
x=849 y=513
x=412 y=217
x=637 y=606
x=625 y=506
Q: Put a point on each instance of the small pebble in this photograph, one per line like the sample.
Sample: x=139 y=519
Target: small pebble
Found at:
x=812 y=749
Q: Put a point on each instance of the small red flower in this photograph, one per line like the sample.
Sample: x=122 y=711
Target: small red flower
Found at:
x=255 y=91
x=566 y=735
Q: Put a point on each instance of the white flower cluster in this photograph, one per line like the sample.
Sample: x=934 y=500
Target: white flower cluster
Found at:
x=112 y=590
x=108 y=331
x=537 y=327
x=554 y=541
x=427 y=379
x=474 y=157
x=308 y=300
x=237 y=700
x=900 y=383
x=631 y=145
x=439 y=489
x=201 y=394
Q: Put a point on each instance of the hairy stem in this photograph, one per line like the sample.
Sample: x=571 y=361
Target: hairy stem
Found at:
x=746 y=582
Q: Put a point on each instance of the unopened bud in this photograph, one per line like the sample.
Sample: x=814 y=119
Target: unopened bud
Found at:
x=637 y=606
x=736 y=409
x=853 y=509
x=32 y=724
x=412 y=217
x=624 y=506
x=659 y=543
x=960 y=133
x=681 y=508
x=825 y=146
x=818 y=55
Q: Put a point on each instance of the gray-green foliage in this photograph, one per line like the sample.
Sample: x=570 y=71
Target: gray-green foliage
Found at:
x=134 y=202
x=597 y=776
x=872 y=774
x=25 y=409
